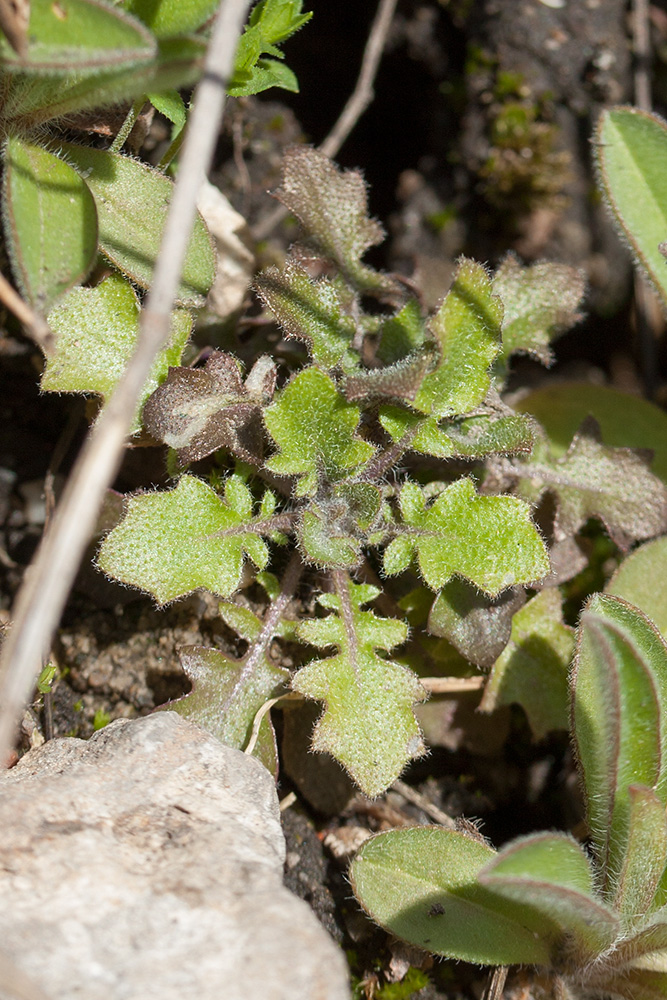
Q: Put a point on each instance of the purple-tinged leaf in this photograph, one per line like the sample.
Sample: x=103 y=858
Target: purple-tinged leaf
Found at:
x=477 y=626
x=646 y=855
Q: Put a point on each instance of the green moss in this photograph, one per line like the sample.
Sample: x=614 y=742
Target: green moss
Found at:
x=413 y=981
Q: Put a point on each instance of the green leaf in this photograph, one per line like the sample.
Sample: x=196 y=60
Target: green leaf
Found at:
x=264 y=74
x=315 y=431
x=532 y=670
x=173 y=542
x=479 y=628
x=540 y=303
x=492 y=434
x=619 y=683
x=167 y=18
x=368 y=723
x=466 y=329
x=641 y=579
x=640 y=984
x=227 y=695
x=489 y=541
x=595 y=480
x=35 y=100
x=325 y=542
x=50 y=223
x=551 y=874
x=631 y=150
x=401 y=380
x=646 y=855
x=422 y=885
x=422 y=434
x=331 y=205
x=97 y=331
x=170 y=104
x=625 y=421
x=132 y=201
x=79 y=36
x=271 y=23
x=312 y=312
x=403 y=334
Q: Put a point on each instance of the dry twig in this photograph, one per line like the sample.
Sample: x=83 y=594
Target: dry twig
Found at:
x=49 y=577
x=36 y=326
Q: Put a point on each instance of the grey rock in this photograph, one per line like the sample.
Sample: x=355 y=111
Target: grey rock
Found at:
x=147 y=863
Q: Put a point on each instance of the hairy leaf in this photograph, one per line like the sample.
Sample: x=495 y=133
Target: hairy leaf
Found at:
x=227 y=695
x=83 y=36
x=594 y=480
x=421 y=434
x=368 y=723
x=646 y=855
x=479 y=628
x=641 y=579
x=331 y=205
x=540 y=302
x=402 y=334
x=551 y=874
x=619 y=683
x=315 y=431
x=492 y=434
x=132 y=202
x=310 y=311
x=271 y=23
x=325 y=541
x=402 y=380
x=198 y=410
x=171 y=17
x=625 y=421
x=631 y=149
x=466 y=330
x=173 y=542
x=97 y=331
x=532 y=669
x=50 y=223
x=422 y=885
x=489 y=541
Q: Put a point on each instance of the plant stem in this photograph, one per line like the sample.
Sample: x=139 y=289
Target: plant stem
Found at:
x=128 y=125
x=48 y=580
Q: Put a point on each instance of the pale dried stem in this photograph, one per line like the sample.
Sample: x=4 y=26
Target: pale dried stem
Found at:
x=48 y=579
x=417 y=799
x=452 y=685
x=359 y=100
x=36 y=326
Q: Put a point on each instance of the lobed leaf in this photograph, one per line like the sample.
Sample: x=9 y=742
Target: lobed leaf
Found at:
x=550 y=873
x=540 y=303
x=315 y=431
x=466 y=330
x=132 y=201
x=96 y=333
x=271 y=22
x=310 y=311
x=625 y=421
x=595 y=480
x=422 y=885
x=50 y=223
x=631 y=150
x=619 y=683
x=368 y=723
x=490 y=541
x=332 y=207
x=82 y=36
x=532 y=670
x=174 y=542
x=196 y=411
x=227 y=695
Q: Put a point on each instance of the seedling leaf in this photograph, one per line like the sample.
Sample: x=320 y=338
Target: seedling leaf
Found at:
x=489 y=541
x=97 y=331
x=532 y=669
x=619 y=681
x=50 y=223
x=422 y=885
x=466 y=330
x=315 y=430
x=479 y=628
x=368 y=723
x=631 y=150
x=132 y=201
x=82 y=36
x=173 y=542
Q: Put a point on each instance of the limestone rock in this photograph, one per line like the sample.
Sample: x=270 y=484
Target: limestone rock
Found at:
x=147 y=863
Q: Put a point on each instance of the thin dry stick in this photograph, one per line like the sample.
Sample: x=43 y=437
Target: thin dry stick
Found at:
x=452 y=685
x=426 y=806
x=48 y=579
x=359 y=100
x=35 y=324
x=496 y=987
